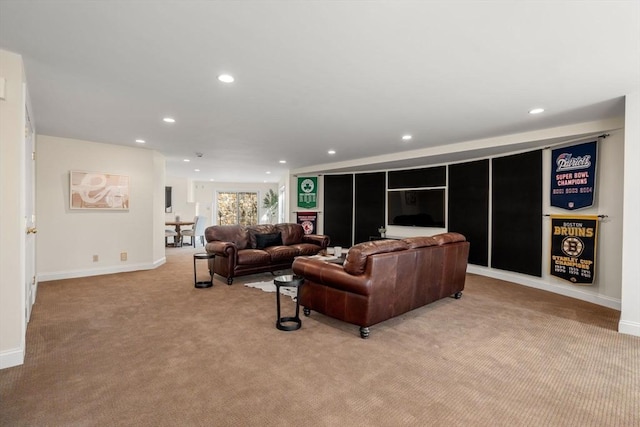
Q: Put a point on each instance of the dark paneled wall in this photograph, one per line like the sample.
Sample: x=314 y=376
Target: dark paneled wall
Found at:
x=370 y=204
x=516 y=200
x=469 y=207
x=338 y=209
x=414 y=178
x=516 y=221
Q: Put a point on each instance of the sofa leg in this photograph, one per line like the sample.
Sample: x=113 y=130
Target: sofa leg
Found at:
x=229 y=280
x=457 y=295
x=306 y=311
x=364 y=332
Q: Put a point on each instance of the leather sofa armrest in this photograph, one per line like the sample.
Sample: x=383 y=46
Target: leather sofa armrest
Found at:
x=331 y=275
x=217 y=247
x=317 y=239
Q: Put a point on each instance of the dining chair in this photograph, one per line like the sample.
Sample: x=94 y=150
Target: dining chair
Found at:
x=170 y=233
x=197 y=230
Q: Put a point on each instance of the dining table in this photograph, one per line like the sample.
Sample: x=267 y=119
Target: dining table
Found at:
x=178 y=227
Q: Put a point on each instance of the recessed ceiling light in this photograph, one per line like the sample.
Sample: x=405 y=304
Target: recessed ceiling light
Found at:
x=226 y=78
x=331 y=151
x=140 y=141
x=406 y=137
x=196 y=170
x=536 y=111
x=169 y=120
x=211 y=179
x=268 y=172
x=186 y=160
x=283 y=161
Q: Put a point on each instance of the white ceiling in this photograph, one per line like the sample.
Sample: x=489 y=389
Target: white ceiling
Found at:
x=353 y=76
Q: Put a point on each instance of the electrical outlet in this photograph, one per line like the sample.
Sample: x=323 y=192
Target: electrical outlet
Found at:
x=95 y=258
x=123 y=256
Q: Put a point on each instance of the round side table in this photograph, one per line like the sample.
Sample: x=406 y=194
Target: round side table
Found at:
x=202 y=284
x=294 y=322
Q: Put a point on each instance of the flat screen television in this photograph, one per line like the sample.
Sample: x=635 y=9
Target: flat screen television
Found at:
x=416 y=208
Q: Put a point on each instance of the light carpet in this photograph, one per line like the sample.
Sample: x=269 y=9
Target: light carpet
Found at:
x=147 y=348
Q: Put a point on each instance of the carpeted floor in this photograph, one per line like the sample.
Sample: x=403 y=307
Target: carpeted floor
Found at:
x=148 y=349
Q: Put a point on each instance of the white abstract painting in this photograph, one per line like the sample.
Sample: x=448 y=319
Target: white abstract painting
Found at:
x=91 y=190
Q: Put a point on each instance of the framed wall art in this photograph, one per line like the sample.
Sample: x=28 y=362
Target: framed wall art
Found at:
x=96 y=190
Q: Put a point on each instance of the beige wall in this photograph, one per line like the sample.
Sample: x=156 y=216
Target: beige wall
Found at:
x=68 y=239
x=189 y=195
x=605 y=289
x=12 y=223
x=183 y=204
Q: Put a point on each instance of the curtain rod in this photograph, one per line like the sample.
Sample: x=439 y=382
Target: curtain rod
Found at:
x=599 y=216
x=603 y=136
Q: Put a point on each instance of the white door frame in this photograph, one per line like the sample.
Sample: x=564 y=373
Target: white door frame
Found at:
x=31 y=283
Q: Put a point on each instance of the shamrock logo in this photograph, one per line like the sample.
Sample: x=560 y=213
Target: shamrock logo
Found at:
x=307 y=185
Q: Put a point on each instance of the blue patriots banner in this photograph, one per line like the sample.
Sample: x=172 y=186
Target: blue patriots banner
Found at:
x=573 y=176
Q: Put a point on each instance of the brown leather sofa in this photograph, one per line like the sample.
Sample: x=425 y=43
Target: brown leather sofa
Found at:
x=385 y=278
x=241 y=250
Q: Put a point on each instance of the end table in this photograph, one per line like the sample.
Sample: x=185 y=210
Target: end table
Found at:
x=202 y=284
x=288 y=281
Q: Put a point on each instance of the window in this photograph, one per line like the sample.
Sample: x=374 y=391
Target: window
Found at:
x=281 y=202
x=237 y=208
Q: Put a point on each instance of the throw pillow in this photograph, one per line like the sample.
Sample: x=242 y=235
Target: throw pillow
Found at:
x=266 y=240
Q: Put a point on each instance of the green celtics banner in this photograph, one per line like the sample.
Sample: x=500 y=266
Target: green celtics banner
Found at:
x=308 y=192
x=573 y=247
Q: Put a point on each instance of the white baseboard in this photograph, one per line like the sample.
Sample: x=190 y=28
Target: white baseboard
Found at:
x=72 y=274
x=534 y=282
x=629 y=328
x=10 y=358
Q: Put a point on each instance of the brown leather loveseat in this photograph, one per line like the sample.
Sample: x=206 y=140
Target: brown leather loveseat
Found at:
x=241 y=250
x=385 y=278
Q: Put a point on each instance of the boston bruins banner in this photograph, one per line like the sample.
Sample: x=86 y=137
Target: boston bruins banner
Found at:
x=573 y=247
x=573 y=176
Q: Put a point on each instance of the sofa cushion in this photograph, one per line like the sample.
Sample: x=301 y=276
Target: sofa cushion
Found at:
x=228 y=233
x=281 y=253
x=253 y=257
x=266 y=240
x=306 y=248
x=357 y=256
x=291 y=233
x=254 y=230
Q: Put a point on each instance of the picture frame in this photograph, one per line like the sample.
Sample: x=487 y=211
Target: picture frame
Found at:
x=98 y=190
x=168 y=203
